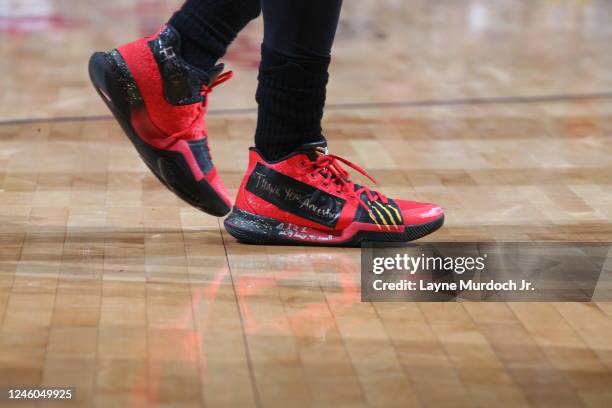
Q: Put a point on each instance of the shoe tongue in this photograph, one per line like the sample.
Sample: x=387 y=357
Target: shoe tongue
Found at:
x=213 y=73
x=314 y=149
x=207 y=77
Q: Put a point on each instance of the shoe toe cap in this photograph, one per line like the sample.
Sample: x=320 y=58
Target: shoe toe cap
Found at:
x=419 y=213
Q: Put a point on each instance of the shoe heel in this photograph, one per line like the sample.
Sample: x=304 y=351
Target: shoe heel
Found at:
x=249 y=228
x=99 y=75
x=114 y=83
x=97 y=68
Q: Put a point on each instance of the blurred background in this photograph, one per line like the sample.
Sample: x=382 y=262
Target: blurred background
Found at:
x=386 y=50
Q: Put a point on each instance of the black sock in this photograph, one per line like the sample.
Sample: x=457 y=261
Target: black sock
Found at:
x=207 y=27
x=290 y=97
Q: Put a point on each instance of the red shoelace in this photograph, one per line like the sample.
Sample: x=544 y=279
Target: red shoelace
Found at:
x=203 y=107
x=328 y=166
x=206 y=89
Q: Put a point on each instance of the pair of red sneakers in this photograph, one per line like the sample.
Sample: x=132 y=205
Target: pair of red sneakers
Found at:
x=305 y=198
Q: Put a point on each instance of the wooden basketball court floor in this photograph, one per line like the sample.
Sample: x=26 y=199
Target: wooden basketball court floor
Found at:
x=500 y=111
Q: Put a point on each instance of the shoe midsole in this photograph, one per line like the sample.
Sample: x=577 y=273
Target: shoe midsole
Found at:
x=247 y=226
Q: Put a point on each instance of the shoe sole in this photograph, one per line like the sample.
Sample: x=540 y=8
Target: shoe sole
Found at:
x=250 y=228
x=116 y=86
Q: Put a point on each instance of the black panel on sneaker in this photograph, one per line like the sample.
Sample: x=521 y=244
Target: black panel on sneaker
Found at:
x=379 y=213
x=295 y=197
x=201 y=152
x=182 y=82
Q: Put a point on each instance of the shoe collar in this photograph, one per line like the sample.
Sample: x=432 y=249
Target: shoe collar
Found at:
x=311 y=149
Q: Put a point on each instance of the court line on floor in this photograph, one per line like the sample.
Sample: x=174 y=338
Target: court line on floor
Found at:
x=501 y=100
x=245 y=337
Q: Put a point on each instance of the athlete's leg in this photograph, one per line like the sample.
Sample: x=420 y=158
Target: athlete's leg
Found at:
x=207 y=27
x=298 y=36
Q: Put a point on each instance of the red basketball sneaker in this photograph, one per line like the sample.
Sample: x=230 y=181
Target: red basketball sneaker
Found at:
x=308 y=198
x=160 y=101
